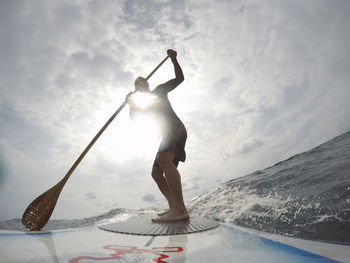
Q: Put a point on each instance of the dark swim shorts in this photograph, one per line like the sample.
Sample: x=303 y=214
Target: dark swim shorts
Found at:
x=174 y=141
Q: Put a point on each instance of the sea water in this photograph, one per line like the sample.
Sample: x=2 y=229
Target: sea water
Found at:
x=306 y=196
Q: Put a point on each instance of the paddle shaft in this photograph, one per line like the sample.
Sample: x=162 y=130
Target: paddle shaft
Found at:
x=157 y=67
x=40 y=209
x=82 y=155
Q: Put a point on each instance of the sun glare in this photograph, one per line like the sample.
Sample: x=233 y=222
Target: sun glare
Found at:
x=129 y=138
x=142 y=99
x=140 y=136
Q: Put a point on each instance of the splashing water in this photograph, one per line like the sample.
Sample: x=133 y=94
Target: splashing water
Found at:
x=307 y=196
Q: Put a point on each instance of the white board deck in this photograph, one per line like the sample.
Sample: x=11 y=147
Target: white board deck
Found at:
x=143 y=225
x=225 y=243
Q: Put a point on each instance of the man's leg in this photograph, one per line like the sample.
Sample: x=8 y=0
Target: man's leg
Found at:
x=157 y=174
x=173 y=178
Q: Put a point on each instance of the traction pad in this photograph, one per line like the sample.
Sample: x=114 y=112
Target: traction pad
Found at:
x=142 y=225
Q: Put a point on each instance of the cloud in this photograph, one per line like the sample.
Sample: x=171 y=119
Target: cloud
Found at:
x=149 y=197
x=189 y=186
x=249 y=146
x=263 y=81
x=90 y=196
x=2 y=170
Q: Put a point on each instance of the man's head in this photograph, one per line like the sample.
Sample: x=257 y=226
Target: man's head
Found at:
x=141 y=84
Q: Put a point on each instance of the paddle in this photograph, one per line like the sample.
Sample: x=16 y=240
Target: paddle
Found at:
x=39 y=211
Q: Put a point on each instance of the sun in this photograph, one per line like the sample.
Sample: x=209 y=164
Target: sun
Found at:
x=143 y=99
x=144 y=134
x=129 y=139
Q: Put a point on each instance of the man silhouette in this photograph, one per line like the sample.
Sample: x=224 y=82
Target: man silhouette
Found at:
x=172 y=146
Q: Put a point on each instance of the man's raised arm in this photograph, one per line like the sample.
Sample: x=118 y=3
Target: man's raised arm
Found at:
x=179 y=76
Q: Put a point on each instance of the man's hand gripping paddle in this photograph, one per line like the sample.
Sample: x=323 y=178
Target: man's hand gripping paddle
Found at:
x=39 y=211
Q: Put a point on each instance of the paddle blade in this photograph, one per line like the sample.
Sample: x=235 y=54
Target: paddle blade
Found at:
x=39 y=211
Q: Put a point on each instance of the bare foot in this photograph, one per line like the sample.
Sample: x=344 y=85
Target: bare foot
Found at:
x=172 y=216
x=164 y=213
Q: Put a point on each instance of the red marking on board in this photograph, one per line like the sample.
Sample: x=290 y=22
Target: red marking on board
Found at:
x=122 y=250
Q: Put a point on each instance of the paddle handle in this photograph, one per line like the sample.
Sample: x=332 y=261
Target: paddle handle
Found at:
x=161 y=63
x=82 y=155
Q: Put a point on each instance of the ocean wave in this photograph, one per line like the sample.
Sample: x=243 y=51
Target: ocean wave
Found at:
x=305 y=196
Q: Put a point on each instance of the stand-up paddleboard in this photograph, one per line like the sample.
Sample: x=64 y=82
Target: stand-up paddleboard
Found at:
x=139 y=240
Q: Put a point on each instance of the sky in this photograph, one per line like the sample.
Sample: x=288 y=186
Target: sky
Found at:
x=264 y=80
